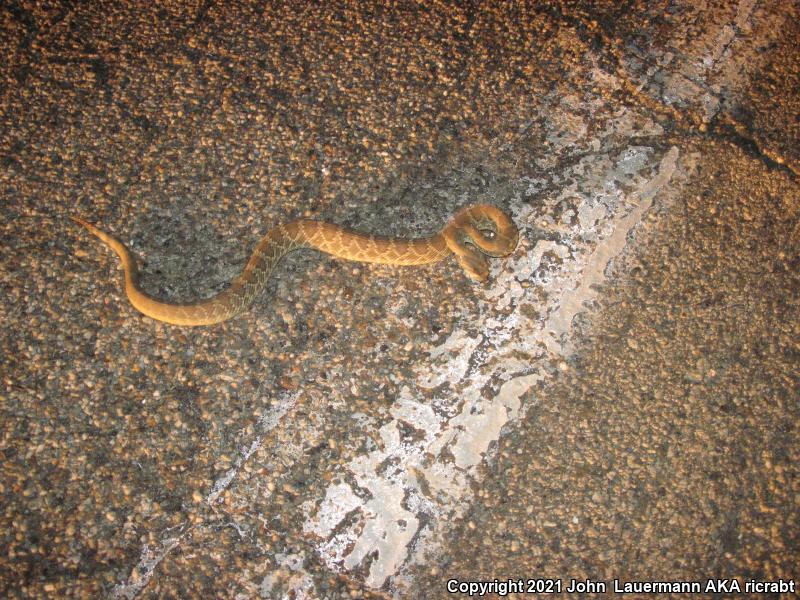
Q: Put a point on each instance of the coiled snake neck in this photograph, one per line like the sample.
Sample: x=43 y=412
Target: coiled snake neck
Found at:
x=473 y=234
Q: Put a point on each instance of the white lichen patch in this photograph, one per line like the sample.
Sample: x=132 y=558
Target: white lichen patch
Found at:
x=339 y=501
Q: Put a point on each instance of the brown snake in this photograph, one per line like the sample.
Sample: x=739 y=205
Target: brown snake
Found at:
x=473 y=232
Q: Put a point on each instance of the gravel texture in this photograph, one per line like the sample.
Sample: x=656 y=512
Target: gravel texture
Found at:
x=144 y=460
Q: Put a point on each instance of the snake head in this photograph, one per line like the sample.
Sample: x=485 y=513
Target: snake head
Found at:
x=491 y=230
x=478 y=232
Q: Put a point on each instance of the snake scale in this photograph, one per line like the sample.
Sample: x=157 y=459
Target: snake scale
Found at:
x=473 y=234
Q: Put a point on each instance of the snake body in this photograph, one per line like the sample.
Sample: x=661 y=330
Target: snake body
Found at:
x=473 y=234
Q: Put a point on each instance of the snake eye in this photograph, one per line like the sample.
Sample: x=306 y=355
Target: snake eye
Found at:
x=488 y=233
